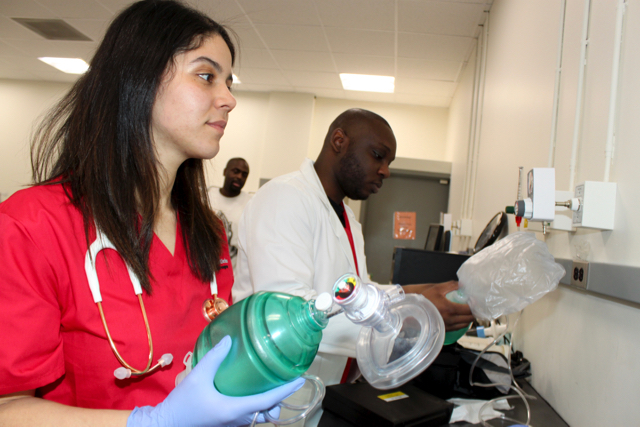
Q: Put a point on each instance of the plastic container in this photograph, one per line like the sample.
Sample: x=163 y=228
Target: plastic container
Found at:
x=275 y=337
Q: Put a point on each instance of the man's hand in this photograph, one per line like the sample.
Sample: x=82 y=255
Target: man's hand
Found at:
x=456 y=316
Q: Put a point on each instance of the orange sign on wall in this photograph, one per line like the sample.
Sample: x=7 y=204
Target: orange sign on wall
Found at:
x=404 y=225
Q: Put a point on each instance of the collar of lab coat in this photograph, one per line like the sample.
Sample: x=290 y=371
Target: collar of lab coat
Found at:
x=310 y=175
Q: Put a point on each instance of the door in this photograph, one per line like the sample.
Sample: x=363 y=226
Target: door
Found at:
x=427 y=197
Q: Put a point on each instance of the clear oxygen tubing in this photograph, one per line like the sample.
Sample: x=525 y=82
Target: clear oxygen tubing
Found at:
x=514 y=385
x=306 y=410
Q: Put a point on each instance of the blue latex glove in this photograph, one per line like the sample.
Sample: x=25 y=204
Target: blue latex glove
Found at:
x=196 y=402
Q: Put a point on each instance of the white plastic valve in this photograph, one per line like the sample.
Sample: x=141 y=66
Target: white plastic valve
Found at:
x=165 y=360
x=122 y=373
x=324 y=301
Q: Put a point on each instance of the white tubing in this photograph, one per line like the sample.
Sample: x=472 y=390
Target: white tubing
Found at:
x=613 y=97
x=476 y=154
x=472 y=130
x=579 y=101
x=556 y=89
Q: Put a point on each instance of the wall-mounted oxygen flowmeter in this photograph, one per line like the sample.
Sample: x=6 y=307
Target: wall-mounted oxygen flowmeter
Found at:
x=539 y=205
x=592 y=205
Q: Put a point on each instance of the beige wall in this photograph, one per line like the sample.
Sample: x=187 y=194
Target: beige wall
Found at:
x=582 y=347
x=243 y=137
x=421 y=132
x=21 y=105
x=274 y=132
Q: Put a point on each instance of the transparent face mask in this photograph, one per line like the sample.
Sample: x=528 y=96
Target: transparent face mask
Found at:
x=401 y=334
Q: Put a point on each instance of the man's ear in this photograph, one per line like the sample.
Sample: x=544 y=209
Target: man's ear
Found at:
x=339 y=141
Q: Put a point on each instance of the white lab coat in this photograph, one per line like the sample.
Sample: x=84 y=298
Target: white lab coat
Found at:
x=291 y=240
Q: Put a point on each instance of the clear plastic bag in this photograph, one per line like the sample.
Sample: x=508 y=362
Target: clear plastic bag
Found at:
x=509 y=275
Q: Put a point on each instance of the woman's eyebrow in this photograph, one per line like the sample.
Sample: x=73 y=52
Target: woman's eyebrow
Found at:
x=214 y=64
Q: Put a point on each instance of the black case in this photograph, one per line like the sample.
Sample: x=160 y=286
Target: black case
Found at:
x=411 y=266
x=360 y=405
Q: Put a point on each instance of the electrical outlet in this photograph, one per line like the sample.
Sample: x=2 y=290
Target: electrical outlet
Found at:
x=580 y=274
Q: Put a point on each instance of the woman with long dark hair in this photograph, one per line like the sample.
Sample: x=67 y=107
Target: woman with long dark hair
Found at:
x=118 y=165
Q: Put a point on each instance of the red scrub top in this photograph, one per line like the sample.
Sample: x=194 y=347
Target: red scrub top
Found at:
x=51 y=335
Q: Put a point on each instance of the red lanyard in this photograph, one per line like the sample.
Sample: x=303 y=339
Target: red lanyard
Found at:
x=347 y=228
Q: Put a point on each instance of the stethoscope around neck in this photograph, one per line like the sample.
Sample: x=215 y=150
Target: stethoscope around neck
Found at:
x=210 y=309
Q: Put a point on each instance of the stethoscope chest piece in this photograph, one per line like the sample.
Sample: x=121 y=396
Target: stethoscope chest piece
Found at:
x=212 y=307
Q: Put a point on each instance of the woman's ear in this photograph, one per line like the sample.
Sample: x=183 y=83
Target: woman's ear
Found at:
x=339 y=141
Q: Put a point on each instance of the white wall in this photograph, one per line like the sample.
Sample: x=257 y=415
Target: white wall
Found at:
x=274 y=132
x=243 y=137
x=21 y=105
x=420 y=132
x=582 y=347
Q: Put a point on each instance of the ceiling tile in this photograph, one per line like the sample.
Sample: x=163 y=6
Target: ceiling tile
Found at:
x=223 y=11
x=487 y=3
x=358 y=14
x=92 y=28
x=7 y=49
x=56 y=48
x=363 y=42
x=425 y=87
x=24 y=9
x=262 y=76
x=293 y=37
x=245 y=36
x=365 y=64
x=304 y=61
x=286 y=12
x=428 y=69
x=313 y=79
x=115 y=6
x=80 y=9
x=446 y=18
x=10 y=29
x=285 y=45
x=254 y=58
x=435 y=47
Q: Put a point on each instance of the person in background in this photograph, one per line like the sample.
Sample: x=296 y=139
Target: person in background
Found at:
x=121 y=156
x=229 y=200
x=297 y=236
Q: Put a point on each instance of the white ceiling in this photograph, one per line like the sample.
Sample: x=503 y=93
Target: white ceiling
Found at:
x=286 y=45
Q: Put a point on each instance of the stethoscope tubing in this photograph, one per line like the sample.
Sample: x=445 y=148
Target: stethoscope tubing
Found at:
x=103 y=242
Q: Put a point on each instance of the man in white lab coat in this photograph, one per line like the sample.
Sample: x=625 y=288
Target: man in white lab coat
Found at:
x=297 y=236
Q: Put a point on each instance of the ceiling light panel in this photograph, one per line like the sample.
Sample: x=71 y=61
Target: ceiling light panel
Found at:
x=367 y=83
x=67 y=65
